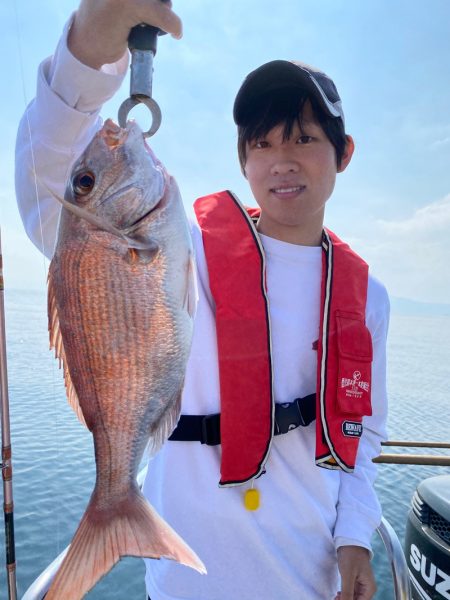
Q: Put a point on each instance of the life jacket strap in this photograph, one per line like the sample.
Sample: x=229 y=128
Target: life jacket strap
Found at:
x=206 y=428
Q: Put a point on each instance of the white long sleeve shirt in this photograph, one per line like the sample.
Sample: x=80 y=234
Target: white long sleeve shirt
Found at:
x=286 y=550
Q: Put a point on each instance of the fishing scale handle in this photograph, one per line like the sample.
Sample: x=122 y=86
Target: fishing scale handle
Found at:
x=144 y=37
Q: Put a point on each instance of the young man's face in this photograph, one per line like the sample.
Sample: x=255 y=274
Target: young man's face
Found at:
x=291 y=180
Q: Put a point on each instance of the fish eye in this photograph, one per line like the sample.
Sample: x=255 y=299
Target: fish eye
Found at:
x=83 y=183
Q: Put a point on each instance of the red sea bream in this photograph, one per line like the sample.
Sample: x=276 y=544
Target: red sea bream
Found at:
x=121 y=302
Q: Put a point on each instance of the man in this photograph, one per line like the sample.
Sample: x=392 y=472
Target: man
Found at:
x=285 y=311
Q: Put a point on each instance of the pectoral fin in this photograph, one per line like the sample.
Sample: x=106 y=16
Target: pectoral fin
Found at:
x=137 y=255
x=191 y=293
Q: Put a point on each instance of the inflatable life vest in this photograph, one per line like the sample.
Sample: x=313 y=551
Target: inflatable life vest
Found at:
x=236 y=268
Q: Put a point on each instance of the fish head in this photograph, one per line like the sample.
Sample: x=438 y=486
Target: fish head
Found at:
x=117 y=178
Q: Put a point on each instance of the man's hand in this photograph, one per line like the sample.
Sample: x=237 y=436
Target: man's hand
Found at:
x=358 y=582
x=100 y=29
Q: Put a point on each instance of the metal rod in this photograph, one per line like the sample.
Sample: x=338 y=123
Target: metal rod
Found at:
x=413 y=459
x=407 y=444
x=399 y=566
x=8 y=505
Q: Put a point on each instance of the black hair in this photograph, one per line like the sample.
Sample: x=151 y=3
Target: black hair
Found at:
x=286 y=107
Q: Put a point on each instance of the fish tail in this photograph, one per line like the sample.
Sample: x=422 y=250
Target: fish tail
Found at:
x=103 y=537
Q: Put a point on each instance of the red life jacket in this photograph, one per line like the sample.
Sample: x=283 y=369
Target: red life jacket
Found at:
x=236 y=268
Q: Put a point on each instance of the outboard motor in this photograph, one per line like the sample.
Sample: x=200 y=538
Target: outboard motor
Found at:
x=427 y=540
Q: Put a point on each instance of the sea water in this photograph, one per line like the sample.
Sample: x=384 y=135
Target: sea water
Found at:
x=53 y=455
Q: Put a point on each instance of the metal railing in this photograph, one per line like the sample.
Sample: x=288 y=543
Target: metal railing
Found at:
x=415 y=459
x=397 y=560
x=40 y=586
x=392 y=544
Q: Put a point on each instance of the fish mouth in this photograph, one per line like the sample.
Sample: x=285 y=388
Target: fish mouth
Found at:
x=113 y=135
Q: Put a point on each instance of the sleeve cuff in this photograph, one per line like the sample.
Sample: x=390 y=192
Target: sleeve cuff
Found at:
x=343 y=541
x=79 y=86
x=356 y=527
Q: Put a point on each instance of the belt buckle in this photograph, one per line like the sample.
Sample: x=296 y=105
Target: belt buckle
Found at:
x=211 y=430
x=287 y=417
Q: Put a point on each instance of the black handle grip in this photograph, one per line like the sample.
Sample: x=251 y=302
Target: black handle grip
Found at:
x=144 y=37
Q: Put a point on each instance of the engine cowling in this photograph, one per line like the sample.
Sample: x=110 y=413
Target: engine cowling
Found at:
x=427 y=540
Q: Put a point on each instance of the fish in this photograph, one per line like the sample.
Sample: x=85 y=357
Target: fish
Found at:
x=121 y=305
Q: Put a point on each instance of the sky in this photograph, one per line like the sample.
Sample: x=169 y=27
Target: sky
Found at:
x=390 y=61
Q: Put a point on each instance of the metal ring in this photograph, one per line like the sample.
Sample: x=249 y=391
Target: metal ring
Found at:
x=130 y=103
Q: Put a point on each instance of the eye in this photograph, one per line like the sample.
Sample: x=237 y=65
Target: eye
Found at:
x=304 y=139
x=260 y=144
x=83 y=183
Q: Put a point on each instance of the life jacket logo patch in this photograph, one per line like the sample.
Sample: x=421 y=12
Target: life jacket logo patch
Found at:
x=352 y=429
x=355 y=387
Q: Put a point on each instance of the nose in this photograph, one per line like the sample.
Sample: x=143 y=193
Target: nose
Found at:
x=283 y=164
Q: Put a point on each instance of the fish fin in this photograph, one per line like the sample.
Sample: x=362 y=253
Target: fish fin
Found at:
x=164 y=427
x=141 y=255
x=129 y=528
x=191 y=293
x=57 y=343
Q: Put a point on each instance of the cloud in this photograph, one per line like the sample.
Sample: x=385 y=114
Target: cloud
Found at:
x=425 y=224
x=411 y=256
x=439 y=144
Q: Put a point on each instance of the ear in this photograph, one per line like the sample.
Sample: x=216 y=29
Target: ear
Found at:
x=348 y=153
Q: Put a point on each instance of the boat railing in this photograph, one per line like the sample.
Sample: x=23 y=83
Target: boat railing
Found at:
x=397 y=560
x=392 y=544
x=442 y=460
x=399 y=568
x=40 y=586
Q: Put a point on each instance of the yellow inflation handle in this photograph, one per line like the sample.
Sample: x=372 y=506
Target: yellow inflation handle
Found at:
x=251 y=499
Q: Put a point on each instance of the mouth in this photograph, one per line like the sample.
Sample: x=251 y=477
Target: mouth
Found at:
x=284 y=191
x=113 y=135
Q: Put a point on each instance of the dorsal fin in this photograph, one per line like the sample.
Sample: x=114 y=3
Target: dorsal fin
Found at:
x=56 y=342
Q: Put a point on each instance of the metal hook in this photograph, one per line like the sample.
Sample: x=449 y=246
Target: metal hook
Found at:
x=128 y=104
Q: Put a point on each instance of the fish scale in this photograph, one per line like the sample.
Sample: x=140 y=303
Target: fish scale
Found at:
x=115 y=367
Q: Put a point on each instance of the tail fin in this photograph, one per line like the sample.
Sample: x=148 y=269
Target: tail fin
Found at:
x=103 y=537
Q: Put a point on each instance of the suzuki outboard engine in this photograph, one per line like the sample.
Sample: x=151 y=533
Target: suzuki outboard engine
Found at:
x=427 y=540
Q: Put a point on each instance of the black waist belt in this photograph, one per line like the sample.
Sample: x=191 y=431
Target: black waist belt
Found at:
x=206 y=428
